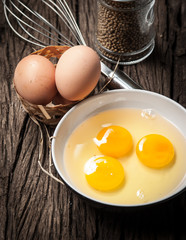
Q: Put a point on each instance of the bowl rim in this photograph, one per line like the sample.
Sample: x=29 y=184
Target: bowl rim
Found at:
x=88 y=101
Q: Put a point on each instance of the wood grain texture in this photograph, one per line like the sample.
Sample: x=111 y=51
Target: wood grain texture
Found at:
x=32 y=205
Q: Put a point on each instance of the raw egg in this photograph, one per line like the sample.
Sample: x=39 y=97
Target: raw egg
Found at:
x=34 y=79
x=104 y=173
x=77 y=72
x=155 y=150
x=115 y=141
x=94 y=176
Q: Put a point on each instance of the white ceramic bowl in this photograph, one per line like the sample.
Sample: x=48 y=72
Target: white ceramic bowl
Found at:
x=166 y=107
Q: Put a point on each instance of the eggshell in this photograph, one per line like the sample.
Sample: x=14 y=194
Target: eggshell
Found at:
x=77 y=72
x=34 y=79
x=58 y=99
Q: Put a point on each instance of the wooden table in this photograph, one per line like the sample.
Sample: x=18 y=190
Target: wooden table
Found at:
x=32 y=205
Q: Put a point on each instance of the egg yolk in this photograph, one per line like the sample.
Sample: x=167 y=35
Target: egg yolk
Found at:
x=104 y=173
x=114 y=141
x=155 y=151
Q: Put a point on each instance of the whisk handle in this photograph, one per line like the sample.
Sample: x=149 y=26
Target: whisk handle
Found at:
x=119 y=79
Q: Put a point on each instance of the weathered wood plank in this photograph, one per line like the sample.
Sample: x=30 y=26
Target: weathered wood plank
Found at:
x=33 y=206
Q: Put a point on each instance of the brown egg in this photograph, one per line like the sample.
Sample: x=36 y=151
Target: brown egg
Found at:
x=58 y=99
x=77 y=72
x=34 y=79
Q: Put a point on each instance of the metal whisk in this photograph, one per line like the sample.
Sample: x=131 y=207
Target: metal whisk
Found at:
x=32 y=27
x=29 y=20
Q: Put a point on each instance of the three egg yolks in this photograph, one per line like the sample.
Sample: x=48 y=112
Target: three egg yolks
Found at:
x=106 y=173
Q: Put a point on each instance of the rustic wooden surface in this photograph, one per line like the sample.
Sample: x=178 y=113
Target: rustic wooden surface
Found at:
x=32 y=205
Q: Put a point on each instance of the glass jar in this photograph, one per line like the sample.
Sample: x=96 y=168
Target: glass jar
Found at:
x=125 y=30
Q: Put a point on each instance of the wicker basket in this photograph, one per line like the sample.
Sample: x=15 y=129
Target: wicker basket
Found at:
x=49 y=114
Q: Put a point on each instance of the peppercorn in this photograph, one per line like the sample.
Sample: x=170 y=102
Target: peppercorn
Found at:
x=125 y=30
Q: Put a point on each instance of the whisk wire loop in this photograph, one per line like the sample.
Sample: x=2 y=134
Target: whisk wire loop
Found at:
x=69 y=13
x=37 y=25
x=63 y=17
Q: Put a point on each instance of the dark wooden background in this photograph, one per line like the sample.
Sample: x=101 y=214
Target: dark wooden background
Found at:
x=32 y=205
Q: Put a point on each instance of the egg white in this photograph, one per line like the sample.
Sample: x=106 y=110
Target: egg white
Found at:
x=142 y=184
